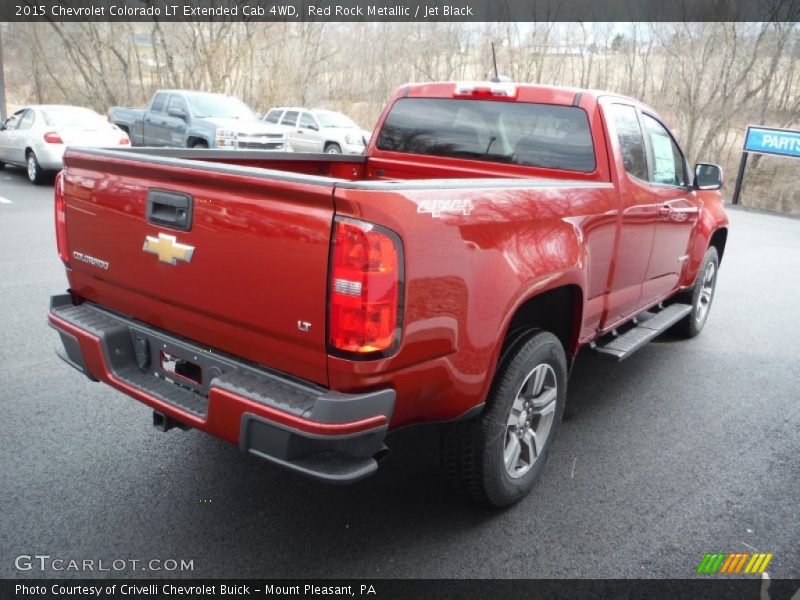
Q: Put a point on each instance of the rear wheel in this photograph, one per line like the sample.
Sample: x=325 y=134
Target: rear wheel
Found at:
x=701 y=295
x=497 y=457
x=35 y=173
x=333 y=149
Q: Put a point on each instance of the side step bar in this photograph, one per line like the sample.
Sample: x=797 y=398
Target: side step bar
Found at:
x=622 y=346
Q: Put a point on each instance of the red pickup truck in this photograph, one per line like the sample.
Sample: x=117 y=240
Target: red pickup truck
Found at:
x=301 y=306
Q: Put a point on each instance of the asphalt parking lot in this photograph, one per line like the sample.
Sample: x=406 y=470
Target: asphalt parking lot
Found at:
x=686 y=448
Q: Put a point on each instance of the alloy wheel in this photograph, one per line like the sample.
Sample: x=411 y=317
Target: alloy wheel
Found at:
x=530 y=421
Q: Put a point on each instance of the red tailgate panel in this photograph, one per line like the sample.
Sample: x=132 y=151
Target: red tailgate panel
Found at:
x=259 y=264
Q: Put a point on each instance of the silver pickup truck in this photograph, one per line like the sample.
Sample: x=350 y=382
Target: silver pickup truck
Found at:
x=315 y=130
x=187 y=119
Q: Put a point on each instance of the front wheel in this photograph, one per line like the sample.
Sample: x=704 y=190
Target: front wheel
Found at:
x=701 y=295
x=333 y=149
x=497 y=457
x=35 y=173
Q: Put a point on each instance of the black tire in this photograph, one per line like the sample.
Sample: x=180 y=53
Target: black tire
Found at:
x=332 y=148
x=36 y=175
x=471 y=453
x=700 y=295
x=200 y=145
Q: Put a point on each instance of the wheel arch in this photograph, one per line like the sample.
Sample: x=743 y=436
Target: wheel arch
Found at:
x=193 y=139
x=558 y=309
x=718 y=240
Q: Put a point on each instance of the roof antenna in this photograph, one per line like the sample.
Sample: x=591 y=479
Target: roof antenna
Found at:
x=496 y=78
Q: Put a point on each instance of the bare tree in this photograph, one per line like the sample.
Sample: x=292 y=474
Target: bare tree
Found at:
x=708 y=80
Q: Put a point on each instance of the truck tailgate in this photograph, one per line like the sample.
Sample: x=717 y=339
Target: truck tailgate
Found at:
x=249 y=274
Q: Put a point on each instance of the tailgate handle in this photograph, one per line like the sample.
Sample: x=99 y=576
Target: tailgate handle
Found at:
x=170 y=209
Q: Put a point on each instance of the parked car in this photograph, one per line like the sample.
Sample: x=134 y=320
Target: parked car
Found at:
x=35 y=137
x=188 y=119
x=315 y=130
x=304 y=306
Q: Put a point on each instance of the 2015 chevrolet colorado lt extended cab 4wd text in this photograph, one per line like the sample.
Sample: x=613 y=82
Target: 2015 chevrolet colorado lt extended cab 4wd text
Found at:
x=302 y=305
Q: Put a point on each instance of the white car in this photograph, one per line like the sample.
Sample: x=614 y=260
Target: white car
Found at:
x=35 y=137
x=315 y=130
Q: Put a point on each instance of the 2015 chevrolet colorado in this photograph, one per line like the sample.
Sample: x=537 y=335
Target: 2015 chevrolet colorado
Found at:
x=301 y=305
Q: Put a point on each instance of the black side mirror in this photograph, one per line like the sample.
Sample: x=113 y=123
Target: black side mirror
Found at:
x=312 y=127
x=177 y=112
x=707 y=176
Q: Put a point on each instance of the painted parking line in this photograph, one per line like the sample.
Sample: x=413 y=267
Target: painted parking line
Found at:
x=4 y=200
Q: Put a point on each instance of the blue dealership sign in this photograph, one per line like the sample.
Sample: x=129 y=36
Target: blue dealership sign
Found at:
x=766 y=140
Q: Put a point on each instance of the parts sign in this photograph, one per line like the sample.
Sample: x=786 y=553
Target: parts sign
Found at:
x=766 y=140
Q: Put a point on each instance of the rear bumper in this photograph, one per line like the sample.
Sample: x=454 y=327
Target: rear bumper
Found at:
x=50 y=156
x=320 y=433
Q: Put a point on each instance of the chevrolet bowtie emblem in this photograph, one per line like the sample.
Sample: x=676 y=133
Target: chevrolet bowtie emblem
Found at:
x=167 y=248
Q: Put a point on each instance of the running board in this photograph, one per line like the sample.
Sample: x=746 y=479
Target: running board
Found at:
x=622 y=346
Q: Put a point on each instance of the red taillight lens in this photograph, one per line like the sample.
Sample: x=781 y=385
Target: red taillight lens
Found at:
x=61 y=218
x=365 y=288
x=51 y=137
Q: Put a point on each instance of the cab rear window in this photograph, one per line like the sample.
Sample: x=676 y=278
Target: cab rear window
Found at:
x=526 y=134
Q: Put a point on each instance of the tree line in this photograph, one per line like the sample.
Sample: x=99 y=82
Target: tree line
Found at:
x=708 y=80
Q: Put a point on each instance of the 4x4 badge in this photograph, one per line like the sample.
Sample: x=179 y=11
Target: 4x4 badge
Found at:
x=167 y=248
x=437 y=207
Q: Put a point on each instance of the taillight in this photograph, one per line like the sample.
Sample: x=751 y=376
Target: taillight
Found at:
x=61 y=218
x=51 y=137
x=366 y=281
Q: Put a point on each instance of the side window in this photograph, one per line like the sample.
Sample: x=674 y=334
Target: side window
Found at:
x=307 y=121
x=668 y=164
x=290 y=118
x=630 y=140
x=12 y=122
x=176 y=101
x=158 y=103
x=27 y=120
x=273 y=116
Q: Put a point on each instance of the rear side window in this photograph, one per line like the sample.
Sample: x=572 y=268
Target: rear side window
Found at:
x=630 y=140
x=273 y=116
x=531 y=135
x=27 y=120
x=159 y=102
x=290 y=118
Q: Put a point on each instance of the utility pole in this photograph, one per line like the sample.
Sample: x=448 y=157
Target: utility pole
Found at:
x=2 y=80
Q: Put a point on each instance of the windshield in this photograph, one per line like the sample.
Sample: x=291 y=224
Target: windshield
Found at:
x=332 y=119
x=533 y=135
x=73 y=117
x=217 y=105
